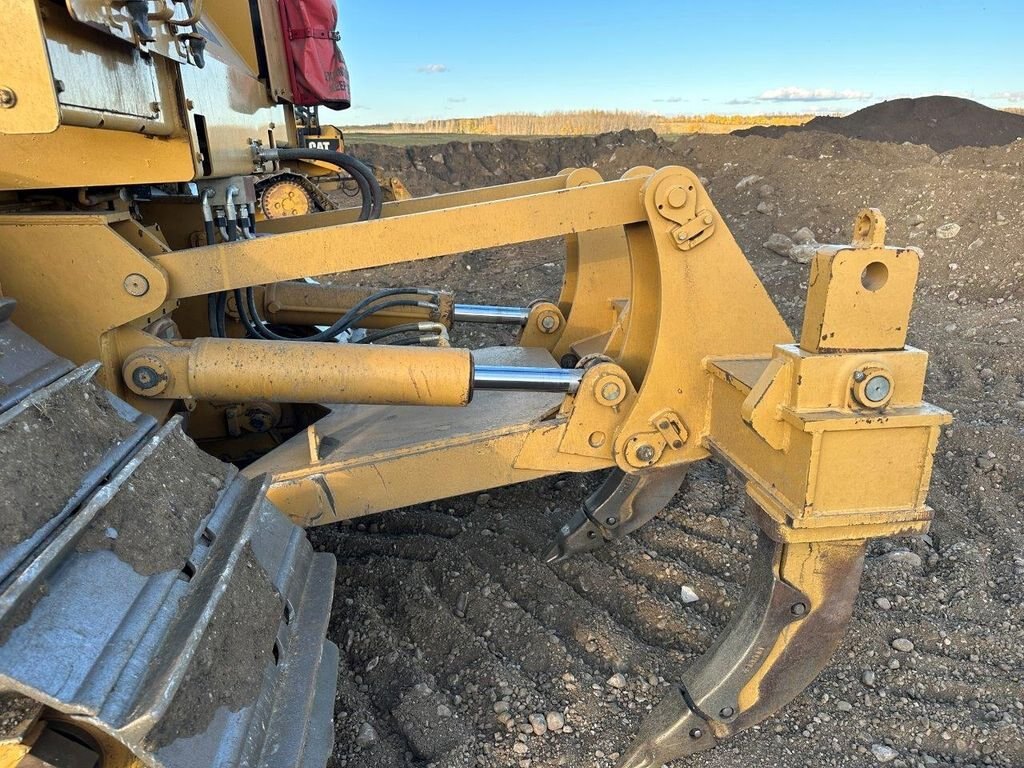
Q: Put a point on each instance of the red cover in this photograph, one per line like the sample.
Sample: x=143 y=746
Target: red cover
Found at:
x=315 y=64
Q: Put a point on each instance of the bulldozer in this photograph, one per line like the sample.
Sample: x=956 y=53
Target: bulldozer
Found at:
x=185 y=385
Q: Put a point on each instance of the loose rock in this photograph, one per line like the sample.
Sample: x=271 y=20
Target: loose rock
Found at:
x=779 y=243
x=538 y=723
x=902 y=645
x=902 y=557
x=746 y=181
x=366 y=737
x=804 y=236
x=618 y=680
x=884 y=754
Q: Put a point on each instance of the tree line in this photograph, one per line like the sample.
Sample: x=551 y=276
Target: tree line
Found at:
x=584 y=122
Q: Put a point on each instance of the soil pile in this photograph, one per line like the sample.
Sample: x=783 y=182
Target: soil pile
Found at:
x=940 y=122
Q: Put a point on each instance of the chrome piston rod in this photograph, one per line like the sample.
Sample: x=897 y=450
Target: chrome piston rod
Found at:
x=482 y=313
x=511 y=378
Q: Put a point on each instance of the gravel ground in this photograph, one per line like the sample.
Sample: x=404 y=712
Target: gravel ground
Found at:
x=461 y=648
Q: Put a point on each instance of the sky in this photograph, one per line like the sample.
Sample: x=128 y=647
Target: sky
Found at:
x=411 y=60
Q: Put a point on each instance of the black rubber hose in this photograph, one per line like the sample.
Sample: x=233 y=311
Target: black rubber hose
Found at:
x=249 y=314
x=372 y=202
x=373 y=196
x=394 y=330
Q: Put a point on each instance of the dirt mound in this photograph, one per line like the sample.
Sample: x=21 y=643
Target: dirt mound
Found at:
x=940 y=122
x=468 y=164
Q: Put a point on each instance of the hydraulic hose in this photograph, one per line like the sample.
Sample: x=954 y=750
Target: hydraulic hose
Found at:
x=372 y=201
x=369 y=187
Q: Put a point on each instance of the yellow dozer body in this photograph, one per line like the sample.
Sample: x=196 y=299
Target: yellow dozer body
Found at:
x=159 y=606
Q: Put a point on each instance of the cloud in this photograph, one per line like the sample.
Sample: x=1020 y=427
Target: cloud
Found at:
x=740 y=101
x=432 y=69
x=1009 y=95
x=792 y=93
x=671 y=100
x=456 y=99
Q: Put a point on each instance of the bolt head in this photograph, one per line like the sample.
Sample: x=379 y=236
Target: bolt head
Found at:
x=645 y=452
x=611 y=392
x=798 y=609
x=727 y=712
x=696 y=733
x=136 y=284
x=145 y=377
x=877 y=388
x=548 y=323
x=8 y=98
x=859 y=376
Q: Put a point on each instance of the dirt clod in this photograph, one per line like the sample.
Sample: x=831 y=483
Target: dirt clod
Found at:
x=47 y=450
x=151 y=521
x=237 y=645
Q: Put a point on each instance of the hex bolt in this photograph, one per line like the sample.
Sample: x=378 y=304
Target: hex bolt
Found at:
x=877 y=388
x=611 y=520
x=548 y=323
x=136 y=284
x=798 y=609
x=611 y=392
x=8 y=98
x=859 y=376
x=662 y=425
x=696 y=733
x=145 y=377
x=645 y=452
x=727 y=712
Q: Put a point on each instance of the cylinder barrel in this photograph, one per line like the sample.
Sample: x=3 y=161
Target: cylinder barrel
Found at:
x=241 y=370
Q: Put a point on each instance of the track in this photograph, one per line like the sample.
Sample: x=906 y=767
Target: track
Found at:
x=152 y=602
x=445 y=611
